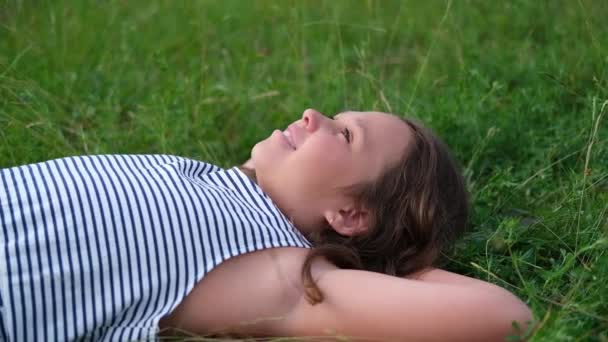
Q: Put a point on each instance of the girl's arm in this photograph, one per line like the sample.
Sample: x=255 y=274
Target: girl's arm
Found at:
x=436 y=275
x=380 y=307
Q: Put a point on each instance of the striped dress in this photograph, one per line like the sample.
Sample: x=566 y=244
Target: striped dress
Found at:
x=102 y=247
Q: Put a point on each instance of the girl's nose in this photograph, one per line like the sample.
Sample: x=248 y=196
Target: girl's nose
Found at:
x=312 y=119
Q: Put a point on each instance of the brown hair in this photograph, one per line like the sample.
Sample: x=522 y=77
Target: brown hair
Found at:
x=417 y=209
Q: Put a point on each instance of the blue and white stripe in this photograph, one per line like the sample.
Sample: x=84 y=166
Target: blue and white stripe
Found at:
x=102 y=247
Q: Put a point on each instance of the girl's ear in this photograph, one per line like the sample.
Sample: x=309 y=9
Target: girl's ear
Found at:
x=348 y=221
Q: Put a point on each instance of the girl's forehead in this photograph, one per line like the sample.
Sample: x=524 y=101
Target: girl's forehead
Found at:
x=367 y=115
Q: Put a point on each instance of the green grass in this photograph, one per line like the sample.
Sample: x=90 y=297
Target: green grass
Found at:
x=517 y=89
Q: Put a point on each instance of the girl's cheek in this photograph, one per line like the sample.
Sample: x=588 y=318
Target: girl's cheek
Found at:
x=327 y=153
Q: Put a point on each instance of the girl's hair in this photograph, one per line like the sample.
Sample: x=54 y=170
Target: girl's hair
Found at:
x=417 y=209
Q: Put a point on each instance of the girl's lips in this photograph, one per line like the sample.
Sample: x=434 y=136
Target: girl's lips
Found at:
x=295 y=134
x=289 y=137
x=283 y=138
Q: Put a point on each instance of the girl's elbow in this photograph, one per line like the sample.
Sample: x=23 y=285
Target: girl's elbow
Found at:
x=516 y=318
x=526 y=314
x=524 y=319
x=499 y=315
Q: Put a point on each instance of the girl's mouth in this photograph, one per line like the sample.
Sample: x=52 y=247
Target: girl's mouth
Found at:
x=289 y=139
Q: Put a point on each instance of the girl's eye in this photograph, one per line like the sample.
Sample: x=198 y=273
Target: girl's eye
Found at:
x=347 y=135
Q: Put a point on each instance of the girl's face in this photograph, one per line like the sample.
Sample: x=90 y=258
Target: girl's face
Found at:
x=304 y=167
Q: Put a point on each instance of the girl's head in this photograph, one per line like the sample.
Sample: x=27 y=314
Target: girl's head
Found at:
x=308 y=168
x=371 y=190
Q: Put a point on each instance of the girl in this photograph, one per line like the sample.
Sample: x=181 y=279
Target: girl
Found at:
x=131 y=247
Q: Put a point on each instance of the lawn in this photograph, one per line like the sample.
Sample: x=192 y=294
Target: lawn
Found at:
x=518 y=89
